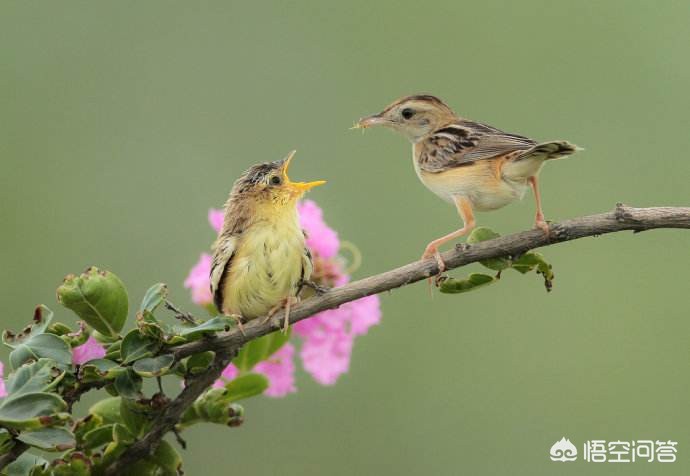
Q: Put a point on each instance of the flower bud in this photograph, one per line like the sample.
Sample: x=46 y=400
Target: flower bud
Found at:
x=97 y=297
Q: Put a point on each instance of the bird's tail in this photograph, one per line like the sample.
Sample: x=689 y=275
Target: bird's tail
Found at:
x=550 y=150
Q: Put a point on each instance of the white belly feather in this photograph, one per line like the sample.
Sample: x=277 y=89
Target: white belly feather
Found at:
x=478 y=183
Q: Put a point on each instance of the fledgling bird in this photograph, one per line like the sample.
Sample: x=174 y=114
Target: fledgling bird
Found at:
x=260 y=259
x=472 y=165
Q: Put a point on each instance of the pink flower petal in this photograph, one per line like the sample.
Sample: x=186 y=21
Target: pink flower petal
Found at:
x=279 y=369
x=321 y=239
x=229 y=373
x=89 y=350
x=364 y=313
x=329 y=336
x=3 y=390
x=216 y=218
x=199 y=282
x=326 y=355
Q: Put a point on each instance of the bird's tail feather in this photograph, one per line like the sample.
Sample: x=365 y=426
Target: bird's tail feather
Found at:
x=551 y=150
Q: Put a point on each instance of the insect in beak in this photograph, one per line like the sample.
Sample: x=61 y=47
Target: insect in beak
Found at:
x=374 y=120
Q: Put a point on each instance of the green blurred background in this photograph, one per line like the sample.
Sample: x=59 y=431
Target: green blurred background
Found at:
x=123 y=122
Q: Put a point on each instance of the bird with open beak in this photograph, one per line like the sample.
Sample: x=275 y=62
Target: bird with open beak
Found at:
x=474 y=166
x=260 y=259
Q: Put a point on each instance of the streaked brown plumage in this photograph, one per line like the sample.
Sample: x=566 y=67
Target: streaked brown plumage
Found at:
x=260 y=258
x=469 y=164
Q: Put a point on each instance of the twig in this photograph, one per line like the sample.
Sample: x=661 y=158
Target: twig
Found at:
x=622 y=218
x=182 y=316
x=14 y=453
x=167 y=420
x=228 y=343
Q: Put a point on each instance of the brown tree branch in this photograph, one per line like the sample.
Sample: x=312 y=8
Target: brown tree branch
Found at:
x=167 y=420
x=227 y=343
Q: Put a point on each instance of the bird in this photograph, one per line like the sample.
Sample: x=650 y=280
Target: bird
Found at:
x=472 y=165
x=260 y=259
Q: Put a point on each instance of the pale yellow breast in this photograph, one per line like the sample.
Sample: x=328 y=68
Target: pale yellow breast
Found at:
x=266 y=268
x=481 y=182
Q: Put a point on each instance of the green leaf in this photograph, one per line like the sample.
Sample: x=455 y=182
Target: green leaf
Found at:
x=41 y=321
x=71 y=464
x=24 y=464
x=48 y=439
x=122 y=435
x=154 y=366
x=135 y=346
x=98 y=437
x=113 y=350
x=128 y=385
x=154 y=297
x=167 y=459
x=97 y=297
x=531 y=260
x=100 y=369
x=483 y=233
x=108 y=410
x=6 y=442
x=135 y=416
x=472 y=282
x=33 y=410
x=216 y=324
x=39 y=376
x=198 y=363
x=259 y=349
x=40 y=346
x=244 y=387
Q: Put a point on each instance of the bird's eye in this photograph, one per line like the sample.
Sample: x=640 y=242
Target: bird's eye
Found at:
x=275 y=180
x=407 y=113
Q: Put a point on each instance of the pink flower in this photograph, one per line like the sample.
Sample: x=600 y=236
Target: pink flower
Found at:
x=229 y=373
x=321 y=239
x=279 y=369
x=364 y=313
x=89 y=350
x=198 y=281
x=329 y=336
x=326 y=354
x=3 y=390
x=216 y=218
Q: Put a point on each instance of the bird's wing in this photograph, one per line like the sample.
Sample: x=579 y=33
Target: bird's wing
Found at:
x=465 y=142
x=307 y=265
x=224 y=251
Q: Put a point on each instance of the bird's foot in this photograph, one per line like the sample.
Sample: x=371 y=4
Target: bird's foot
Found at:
x=238 y=320
x=286 y=303
x=432 y=251
x=542 y=225
x=318 y=289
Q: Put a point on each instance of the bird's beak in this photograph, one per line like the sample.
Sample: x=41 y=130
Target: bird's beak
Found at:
x=374 y=120
x=299 y=187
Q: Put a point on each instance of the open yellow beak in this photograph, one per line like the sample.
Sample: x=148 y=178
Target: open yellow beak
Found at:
x=300 y=187
x=374 y=120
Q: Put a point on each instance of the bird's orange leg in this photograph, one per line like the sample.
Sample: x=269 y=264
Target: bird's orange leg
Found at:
x=465 y=210
x=539 y=221
x=238 y=319
x=286 y=303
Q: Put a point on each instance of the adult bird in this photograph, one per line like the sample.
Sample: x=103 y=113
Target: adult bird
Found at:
x=474 y=166
x=260 y=259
